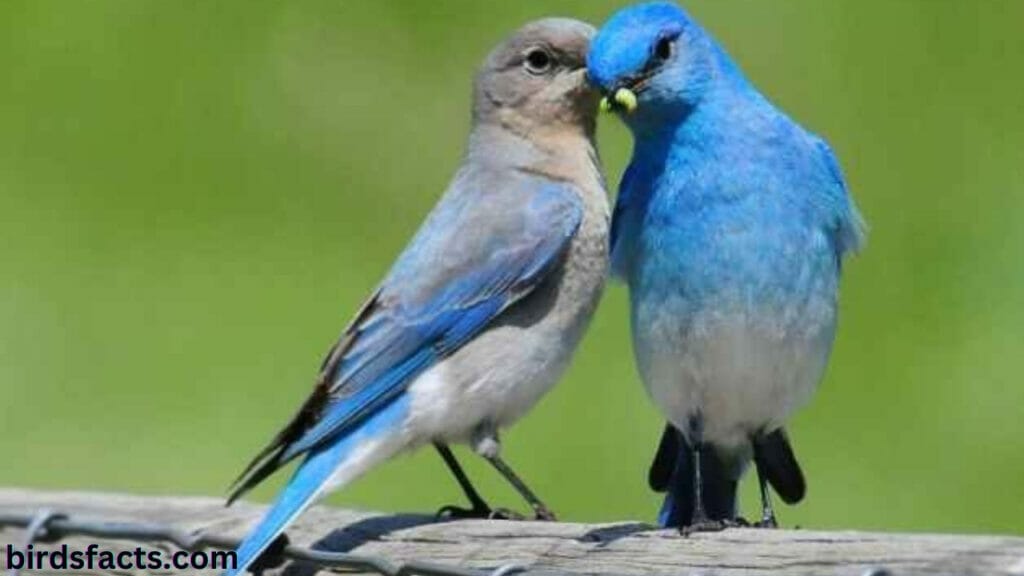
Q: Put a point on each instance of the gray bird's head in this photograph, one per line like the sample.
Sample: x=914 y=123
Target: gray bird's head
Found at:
x=537 y=79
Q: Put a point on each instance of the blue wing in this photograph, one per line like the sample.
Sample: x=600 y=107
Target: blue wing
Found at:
x=480 y=251
x=846 y=225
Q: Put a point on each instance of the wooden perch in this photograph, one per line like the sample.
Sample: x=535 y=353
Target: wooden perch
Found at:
x=551 y=548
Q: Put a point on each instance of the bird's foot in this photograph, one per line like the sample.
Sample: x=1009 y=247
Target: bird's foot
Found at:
x=768 y=522
x=505 y=514
x=544 y=514
x=458 y=513
x=709 y=525
x=477 y=513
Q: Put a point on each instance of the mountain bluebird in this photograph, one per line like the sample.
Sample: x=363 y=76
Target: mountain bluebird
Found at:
x=730 y=228
x=480 y=314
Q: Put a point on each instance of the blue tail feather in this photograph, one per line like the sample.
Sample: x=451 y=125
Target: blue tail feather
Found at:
x=309 y=480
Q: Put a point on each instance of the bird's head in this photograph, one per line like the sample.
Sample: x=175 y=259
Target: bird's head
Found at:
x=650 y=61
x=537 y=78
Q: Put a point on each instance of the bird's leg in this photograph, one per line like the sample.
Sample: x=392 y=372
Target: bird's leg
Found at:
x=486 y=444
x=767 y=512
x=698 y=489
x=701 y=522
x=540 y=510
x=479 y=507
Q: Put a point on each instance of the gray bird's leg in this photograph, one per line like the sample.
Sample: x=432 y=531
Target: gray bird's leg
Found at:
x=486 y=444
x=540 y=510
x=479 y=507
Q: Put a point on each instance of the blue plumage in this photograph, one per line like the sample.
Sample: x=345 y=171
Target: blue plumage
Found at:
x=730 y=228
x=311 y=477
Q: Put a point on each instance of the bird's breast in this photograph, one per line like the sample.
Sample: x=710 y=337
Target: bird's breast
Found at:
x=500 y=374
x=733 y=311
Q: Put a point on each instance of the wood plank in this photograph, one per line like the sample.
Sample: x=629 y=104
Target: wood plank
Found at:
x=543 y=548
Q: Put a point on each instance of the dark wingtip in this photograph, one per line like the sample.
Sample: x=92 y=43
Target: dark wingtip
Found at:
x=264 y=464
x=774 y=455
x=660 y=474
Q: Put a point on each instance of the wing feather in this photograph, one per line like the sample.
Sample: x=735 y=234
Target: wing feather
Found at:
x=476 y=255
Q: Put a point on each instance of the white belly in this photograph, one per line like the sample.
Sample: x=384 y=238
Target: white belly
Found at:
x=493 y=380
x=739 y=376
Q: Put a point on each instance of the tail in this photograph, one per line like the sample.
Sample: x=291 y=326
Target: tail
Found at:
x=718 y=483
x=329 y=467
x=774 y=458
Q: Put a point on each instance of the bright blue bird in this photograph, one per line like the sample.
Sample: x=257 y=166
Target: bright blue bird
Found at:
x=731 y=226
x=481 y=313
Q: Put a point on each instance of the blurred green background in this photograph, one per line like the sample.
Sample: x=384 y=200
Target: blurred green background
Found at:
x=196 y=196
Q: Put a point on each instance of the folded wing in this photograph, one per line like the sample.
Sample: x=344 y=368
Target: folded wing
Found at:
x=482 y=249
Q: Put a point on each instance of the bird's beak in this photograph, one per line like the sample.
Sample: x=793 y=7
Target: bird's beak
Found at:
x=622 y=99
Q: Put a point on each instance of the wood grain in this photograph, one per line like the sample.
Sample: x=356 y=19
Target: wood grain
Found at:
x=544 y=548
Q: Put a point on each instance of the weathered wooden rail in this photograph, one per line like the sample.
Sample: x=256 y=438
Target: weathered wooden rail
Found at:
x=548 y=548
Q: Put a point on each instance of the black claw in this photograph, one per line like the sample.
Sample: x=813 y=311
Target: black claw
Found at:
x=702 y=526
x=459 y=513
x=768 y=523
x=708 y=525
x=477 y=513
x=505 y=514
x=543 y=514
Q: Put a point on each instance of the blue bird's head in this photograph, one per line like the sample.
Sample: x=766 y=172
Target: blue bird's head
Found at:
x=652 y=62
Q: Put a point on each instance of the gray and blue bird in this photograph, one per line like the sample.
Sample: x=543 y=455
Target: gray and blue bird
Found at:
x=730 y=228
x=481 y=313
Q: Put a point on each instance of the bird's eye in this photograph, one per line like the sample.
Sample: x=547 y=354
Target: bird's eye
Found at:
x=663 y=49
x=538 y=61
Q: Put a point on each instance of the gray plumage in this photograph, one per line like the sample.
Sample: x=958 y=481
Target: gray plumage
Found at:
x=481 y=313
